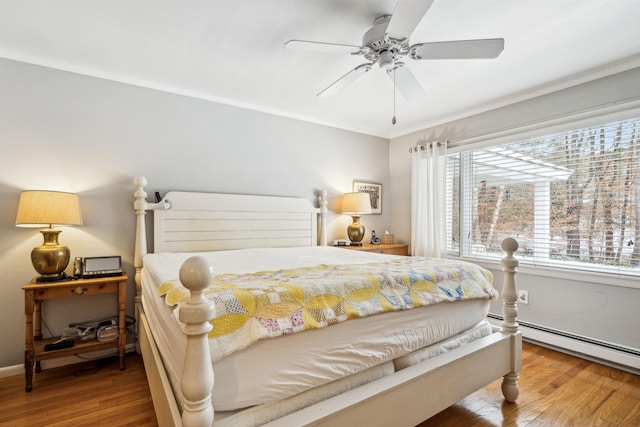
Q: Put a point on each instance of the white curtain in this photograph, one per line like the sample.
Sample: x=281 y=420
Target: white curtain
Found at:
x=428 y=179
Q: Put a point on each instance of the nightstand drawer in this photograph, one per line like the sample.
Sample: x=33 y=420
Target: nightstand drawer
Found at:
x=75 y=289
x=389 y=249
x=399 y=250
x=377 y=250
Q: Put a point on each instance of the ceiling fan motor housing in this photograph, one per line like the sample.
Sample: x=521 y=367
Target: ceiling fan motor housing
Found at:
x=381 y=48
x=376 y=38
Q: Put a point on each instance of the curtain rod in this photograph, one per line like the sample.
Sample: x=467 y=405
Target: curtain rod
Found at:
x=421 y=147
x=549 y=124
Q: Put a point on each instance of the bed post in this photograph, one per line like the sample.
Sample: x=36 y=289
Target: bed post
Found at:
x=140 y=206
x=322 y=223
x=197 y=377
x=510 y=322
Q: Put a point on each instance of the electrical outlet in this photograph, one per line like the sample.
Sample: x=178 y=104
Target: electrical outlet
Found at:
x=523 y=297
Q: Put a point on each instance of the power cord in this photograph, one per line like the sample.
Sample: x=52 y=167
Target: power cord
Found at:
x=97 y=365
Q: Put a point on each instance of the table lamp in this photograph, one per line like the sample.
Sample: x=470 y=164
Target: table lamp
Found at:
x=49 y=208
x=355 y=204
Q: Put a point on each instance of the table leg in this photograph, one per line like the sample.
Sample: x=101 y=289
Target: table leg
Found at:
x=37 y=320
x=28 y=370
x=28 y=348
x=122 y=322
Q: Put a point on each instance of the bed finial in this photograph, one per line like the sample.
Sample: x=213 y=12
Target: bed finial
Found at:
x=510 y=246
x=196 y=273
x=140 y=182
x=197 y=377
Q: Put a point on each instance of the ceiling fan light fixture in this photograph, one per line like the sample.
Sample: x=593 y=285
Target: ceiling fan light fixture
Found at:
x=386 y=60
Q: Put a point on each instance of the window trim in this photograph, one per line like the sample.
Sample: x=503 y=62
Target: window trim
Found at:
x=589 y=118
x=622 y=279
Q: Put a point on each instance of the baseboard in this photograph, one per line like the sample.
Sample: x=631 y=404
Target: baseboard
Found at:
x=10 y=371
x=623 y=358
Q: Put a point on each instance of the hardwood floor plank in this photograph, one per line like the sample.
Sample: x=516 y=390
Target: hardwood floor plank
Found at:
x=631 y=420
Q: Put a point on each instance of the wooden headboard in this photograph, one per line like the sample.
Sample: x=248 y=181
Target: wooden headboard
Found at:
x=215 y=221
x=190 y=222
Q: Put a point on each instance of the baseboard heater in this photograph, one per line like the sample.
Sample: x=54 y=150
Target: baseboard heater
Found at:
x=621 y=357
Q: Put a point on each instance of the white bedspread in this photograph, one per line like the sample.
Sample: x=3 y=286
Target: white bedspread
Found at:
x=274 y=369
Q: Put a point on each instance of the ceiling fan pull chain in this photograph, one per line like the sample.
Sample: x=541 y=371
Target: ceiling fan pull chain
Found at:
x=393 y=120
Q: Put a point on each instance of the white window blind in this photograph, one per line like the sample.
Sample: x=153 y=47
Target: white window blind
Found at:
x=570 y=198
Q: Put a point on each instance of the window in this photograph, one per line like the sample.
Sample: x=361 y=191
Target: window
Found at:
x=570 y=198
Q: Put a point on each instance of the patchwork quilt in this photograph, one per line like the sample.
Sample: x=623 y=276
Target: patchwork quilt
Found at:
x=266 y=304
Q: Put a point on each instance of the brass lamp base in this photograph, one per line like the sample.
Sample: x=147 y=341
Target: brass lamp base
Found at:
x=355 y=231
x=51 y=258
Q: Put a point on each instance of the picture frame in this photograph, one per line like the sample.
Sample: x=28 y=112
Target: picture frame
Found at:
x=375 y=194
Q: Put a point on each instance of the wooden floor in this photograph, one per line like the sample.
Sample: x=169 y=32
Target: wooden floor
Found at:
x=88 y=394
x=556 y=390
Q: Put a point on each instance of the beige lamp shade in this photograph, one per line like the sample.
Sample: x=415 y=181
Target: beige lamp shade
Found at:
x=48 y=208
x=356 y=203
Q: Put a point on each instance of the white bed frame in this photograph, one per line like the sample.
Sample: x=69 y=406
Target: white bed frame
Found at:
x=186 y=222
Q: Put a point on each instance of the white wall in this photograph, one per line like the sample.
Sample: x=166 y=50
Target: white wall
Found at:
x=580 y=305
x=68 y=132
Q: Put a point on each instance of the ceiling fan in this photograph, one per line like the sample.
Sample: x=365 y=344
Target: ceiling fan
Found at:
x=387 y=44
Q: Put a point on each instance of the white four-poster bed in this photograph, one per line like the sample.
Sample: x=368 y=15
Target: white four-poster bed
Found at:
x=402 y=392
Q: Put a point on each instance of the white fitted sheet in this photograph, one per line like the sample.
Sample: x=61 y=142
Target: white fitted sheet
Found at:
x=274 y=369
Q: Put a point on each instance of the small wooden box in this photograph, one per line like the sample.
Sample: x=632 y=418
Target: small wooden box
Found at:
x=388 y=239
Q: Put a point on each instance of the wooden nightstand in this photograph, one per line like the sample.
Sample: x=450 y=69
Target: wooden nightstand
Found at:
x=390 y=249
x=36 y=293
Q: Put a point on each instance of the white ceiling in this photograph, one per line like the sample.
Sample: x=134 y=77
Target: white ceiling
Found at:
x=232 y=51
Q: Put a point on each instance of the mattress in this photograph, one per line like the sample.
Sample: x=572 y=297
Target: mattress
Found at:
x=274 y=369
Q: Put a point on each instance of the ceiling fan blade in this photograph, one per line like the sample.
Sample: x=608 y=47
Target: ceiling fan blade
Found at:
x=458 y=49
x=345 y=81
x=311 y=46
x=406 y=17
x=406 y=82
